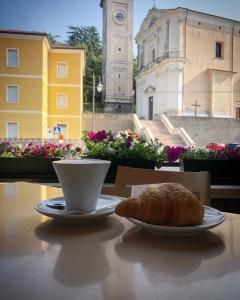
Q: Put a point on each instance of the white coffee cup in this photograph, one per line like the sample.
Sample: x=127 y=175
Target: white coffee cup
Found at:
x=81 y=181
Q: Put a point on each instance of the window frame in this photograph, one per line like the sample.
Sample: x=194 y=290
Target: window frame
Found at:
x=12 y=85
x=222 y=50
x=153 y=53
x=60 y=94
x=16 y=122
x=7 y=61
x=62 y=63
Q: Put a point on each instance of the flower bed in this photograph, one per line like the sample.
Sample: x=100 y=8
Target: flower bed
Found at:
x=32 y=160
x=126 y=148
x=223 y=164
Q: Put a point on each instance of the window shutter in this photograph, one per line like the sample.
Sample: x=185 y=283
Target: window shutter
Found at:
x=62 y=70
x=61 y=102
x=12 y=94
x=12 y=60
x=12 y=130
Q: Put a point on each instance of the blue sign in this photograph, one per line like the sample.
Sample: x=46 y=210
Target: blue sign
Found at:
x=57 y=130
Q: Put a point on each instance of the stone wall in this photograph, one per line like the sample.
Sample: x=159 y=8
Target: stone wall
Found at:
x=108 y=121
x=206 y=130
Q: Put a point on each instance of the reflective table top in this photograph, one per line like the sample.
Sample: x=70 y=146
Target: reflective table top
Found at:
x=111 y=259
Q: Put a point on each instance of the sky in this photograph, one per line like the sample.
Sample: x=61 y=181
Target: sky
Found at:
x=55 y=16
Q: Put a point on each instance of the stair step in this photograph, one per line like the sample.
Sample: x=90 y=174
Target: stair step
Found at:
x=160 y=132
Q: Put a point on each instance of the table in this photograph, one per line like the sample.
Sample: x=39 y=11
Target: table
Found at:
x=112 y=259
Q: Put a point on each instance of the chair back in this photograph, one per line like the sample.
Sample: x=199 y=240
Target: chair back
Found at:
x=197 y=182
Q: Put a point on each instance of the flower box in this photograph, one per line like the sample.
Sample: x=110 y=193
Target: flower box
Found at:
x=125 y=148
x=133 y=163
x=27 y=167
x=223 y=171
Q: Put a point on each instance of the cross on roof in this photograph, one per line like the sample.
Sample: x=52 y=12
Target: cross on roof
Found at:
x=196 y=105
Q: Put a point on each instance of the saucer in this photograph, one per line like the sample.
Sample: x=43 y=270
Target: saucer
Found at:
x=212 y=218
x=56 y=208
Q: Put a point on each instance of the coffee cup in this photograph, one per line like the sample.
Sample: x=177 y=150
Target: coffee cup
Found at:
x=81 y=181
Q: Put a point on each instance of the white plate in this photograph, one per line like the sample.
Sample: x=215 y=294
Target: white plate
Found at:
x=212 y=218
x=105 y=206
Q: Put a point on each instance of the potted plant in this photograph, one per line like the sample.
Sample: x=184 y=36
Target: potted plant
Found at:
x=125 y=148
x=32 y=160
x=224 y=164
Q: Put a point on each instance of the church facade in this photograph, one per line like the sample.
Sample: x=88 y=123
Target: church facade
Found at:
x=189 y=65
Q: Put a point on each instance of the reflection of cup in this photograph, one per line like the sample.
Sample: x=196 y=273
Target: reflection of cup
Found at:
x=81 y=181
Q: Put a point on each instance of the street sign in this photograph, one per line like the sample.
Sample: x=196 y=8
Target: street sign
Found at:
x=57 y=130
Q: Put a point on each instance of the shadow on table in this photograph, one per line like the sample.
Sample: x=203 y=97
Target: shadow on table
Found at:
x=171 y=256
x=81 y=260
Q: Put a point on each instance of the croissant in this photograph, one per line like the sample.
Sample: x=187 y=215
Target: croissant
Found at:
x=167 y=204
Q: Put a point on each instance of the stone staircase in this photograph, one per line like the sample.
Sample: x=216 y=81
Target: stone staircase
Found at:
x=160 y=132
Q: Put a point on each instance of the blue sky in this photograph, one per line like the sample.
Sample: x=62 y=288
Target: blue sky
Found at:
x=55 y=15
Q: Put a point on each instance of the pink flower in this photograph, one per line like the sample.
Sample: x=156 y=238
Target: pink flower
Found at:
x=91 y=135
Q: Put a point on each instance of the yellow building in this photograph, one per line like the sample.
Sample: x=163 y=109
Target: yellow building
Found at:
x=41 y=86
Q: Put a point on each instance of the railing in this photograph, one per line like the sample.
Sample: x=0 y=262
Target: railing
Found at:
x=14 y=142
x=160 y=59
x=177 y=131
x=139 y=128
x=137 y=124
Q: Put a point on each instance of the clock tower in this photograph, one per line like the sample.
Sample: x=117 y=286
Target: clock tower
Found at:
x=117 y=74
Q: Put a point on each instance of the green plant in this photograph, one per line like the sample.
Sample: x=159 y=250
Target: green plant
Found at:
x=205 y=153
x=47 y=150
x=123 y=145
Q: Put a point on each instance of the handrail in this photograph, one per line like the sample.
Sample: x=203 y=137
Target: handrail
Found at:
x=186 y=137
x=177 y=131
x=137 y=124
x=139 y=128
x=148 y=133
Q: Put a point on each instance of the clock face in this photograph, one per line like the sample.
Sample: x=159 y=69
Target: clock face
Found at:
x=120 y=17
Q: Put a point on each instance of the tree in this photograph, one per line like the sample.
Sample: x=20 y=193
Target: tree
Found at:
x=88 y=37
x=53 y=38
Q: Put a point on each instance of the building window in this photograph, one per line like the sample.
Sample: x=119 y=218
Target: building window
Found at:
x=219 y=50
x=61 y=101
x=12 y=130
x=12 y=57
x=12 y=94
x=153 y=55
x=141 y=59
x=62 y=70
x=238 y=112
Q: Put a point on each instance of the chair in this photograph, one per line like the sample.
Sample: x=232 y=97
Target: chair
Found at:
x=197 y=182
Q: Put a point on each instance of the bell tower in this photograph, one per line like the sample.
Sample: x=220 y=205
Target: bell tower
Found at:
x=117 y=71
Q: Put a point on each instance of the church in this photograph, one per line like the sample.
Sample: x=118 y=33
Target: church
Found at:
x=189 y=65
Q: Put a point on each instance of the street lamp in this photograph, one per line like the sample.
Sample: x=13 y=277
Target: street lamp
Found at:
x=99 y=89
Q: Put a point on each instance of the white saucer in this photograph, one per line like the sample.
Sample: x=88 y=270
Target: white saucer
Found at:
x=212 y=218
x=105 y=206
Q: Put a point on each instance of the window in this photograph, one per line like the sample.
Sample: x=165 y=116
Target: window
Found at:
x=219 y=50
x=62 y=70
x=61 y=101
x=12 y=94
x=141 y=59
x=12 y=58
x=153 y=54
x=12 y=130
x=238 y=112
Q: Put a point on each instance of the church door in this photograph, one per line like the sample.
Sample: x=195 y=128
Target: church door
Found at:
x=238 y=112
x=150 y=108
